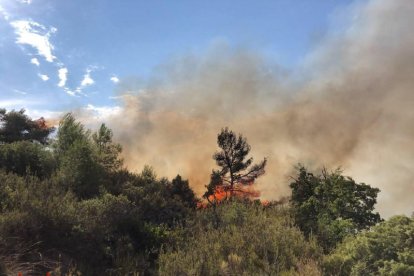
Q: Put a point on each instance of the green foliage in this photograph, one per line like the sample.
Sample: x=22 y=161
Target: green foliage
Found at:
x=108 y=152
x=102 y=235
x=251 y=240
x=69 y=132
x=86 y=162
x=387 y=249
x=72 y=208
x=36 y=214
x=17 y=126
x=80 y=169
x=180 y=190
x=78 y=158
x=27 y=158
x=332 y=206
x=160 y=204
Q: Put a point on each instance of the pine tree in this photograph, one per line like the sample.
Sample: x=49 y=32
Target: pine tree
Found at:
x=236 y=168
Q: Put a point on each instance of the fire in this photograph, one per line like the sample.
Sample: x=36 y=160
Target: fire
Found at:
x=246 y=191
x=240 y=191
x=222 y=193
x=42 y=123
x=265 y=203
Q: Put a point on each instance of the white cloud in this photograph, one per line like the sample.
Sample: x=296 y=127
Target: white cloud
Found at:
x=63 y=76
x=43 y=77
x=28 y=2
x=17 y=104
x=35 y=61
x=13 y=103
x=116 y=97
x=36 y=35
x=114 y=79
x=19 y=92
x=102 y=112
x=45 y=113
x=4 y=13
x=87 y=80
x=70 y=92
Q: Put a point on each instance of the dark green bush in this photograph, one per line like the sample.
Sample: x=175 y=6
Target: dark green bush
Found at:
x=331 y=206
x=27 y=158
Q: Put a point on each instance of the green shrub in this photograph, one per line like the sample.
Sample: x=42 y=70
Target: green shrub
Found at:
x=331 y=206
x=108 y=234
x=386 y=249
x=26 y=157
x=250 y=240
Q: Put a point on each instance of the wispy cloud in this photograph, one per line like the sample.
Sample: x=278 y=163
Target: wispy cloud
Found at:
x=70 y=92
x=19 y=92
x=28 y=2
x=63 y=76
x=17 y=103
x=35 y=61
x=114 y=79
x=31 y=33
x=87 y=80
x=45 y=113
x=4 y=13
x=123 y=96
x=102 y=112
x=43 y=77
x=35 y=35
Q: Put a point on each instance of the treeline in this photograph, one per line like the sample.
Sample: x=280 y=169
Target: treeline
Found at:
x=68 y=206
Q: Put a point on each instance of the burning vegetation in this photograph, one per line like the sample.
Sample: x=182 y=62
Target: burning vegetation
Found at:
x=237 y=174
x=69 y=206
x=349 y=105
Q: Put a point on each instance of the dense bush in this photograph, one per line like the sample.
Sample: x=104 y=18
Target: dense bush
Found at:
x=386 y=249
x=39 y=215
x=27 y=158
x=70 y=206
x=250 y=240
x=331 y=206
x=106 y=234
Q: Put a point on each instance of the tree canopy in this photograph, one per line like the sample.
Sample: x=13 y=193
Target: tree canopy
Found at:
x=71 y=207
x=108 y=151
x=331 y=206
x=17 y=126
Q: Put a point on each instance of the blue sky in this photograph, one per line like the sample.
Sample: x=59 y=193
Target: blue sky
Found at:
x=60 y=55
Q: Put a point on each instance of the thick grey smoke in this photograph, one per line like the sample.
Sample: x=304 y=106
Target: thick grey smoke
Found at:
x=352 y=106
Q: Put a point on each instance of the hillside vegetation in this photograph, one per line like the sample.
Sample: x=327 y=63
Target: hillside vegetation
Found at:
x=69 y=206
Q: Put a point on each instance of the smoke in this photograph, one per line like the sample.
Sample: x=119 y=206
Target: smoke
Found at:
x=349 y=105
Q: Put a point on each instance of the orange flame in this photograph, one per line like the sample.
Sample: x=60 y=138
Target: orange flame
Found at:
x=220 y=194
x=246 y=191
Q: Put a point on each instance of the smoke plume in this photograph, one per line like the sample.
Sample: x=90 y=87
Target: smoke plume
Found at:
x=351 y=104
